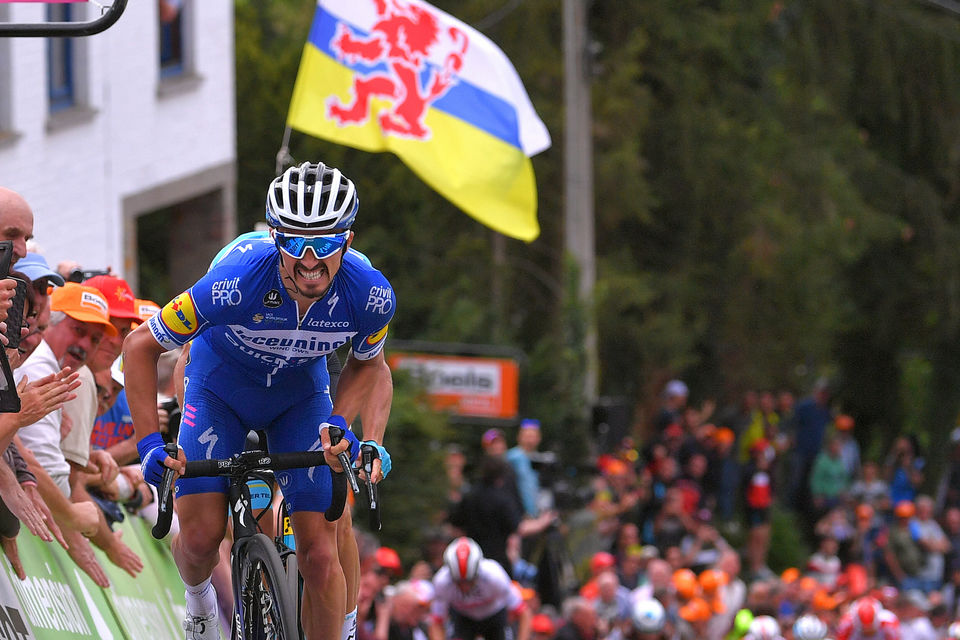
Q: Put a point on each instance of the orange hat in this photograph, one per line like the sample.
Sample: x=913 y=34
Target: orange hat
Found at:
x=601 y=561
x=119 y=296
x=790 y=575
x=616 y=467
x=527 y=593
x=809 y=583
x=823 y=601
x=685 y=583
x=146 y=309
x=712 y=579
x=697 y=610
x=864 y=511
x=904 y=509
x=724 y=435
x=759 y=445
x=83 y=303
x=541 y=623
x=843 y=422
x=388 y=559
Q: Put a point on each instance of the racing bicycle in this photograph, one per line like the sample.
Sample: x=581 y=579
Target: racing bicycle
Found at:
x=266 y=601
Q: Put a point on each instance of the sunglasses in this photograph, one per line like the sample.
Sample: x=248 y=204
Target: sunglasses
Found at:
x=323 y=246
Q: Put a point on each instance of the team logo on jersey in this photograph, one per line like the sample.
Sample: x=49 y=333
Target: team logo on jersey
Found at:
x=272 y=299
x=380 y=299
x=258 y=318
x=378 y=336
x=226 y=292
x=180 y=316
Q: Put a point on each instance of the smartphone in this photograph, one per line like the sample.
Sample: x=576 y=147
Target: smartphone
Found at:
x=6 y=257
x=15 y=314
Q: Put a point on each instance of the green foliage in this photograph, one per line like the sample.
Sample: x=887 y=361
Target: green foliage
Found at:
x=787 y=548
x=777 y=195
x=415 y=489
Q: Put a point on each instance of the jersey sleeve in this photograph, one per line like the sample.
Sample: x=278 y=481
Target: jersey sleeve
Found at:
x=190 y=313
x=377 y=310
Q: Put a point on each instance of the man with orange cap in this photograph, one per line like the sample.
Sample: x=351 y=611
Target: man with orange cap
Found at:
x=903 y=554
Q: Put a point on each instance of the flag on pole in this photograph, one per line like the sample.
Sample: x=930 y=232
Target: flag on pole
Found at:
x=405 y=77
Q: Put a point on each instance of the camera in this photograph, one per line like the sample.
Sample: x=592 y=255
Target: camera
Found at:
x=81 y=275
x=173 y=411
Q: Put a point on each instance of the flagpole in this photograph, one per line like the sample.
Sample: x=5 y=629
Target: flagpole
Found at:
x=284 y=158
x=578 y=173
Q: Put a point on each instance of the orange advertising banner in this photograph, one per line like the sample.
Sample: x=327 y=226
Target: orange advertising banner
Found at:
x=464 y=385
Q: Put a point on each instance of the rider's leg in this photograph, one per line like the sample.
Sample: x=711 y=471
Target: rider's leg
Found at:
x=324 y=587
x=349 y=556
x=197 y=549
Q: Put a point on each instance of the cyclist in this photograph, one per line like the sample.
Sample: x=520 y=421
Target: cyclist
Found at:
x=477 y=596
x=648 y=621
x=260 y=323
x=809 y=627
x=866 y=619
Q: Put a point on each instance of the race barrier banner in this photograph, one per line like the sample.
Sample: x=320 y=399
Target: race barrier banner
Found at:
x=58 y=601
x=464 y=385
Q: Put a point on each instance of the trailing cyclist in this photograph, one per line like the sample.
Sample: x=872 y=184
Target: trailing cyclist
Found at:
x=261 y=323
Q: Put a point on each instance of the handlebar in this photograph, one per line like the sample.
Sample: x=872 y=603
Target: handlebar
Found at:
x=239 y=466
x=367 y=455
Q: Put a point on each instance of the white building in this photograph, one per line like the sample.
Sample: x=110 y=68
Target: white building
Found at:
x=129 y=131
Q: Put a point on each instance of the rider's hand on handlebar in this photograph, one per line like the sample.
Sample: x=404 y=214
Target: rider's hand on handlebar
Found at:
x=349 y=443
x=153 y=459
x=381 y=461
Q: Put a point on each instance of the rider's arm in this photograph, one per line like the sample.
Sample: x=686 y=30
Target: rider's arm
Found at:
x=366 y=389
x=140 y=354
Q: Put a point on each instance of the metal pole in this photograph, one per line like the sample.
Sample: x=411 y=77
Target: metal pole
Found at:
x=65 y=29
x=578 y=172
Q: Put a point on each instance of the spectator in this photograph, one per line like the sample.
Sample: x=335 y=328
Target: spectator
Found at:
x=902 y=554
x=824 y=565
x=934 y=544
x=519 y=457
x=904 y=470
x=675 y=395
x=403 y=614
x=811 y=417
x=759 y=501
x=828 y=479
x=488 y=513
x=870 y=488
x=612 y=603
x=581 y=620
x=849 y=448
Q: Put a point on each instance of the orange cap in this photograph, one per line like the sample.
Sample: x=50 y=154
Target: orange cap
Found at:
x=864 y=511
x=697 y=610
x=685 y=583
x=843 y=422
x=119 y=295
x=790 y=575
x=388 y=559
x=84 y=304
x=711 y=580
x=146 y=309
x=823 y=601
x=724 y=435
x=904 y=509
x=809 y=583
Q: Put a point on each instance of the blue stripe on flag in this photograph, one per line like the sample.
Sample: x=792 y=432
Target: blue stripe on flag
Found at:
x=463 y=100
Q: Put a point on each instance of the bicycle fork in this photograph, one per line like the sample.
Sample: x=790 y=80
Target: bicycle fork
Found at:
x=244 y=527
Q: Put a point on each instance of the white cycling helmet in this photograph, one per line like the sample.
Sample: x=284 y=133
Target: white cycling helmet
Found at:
x=809 y=627
x=648 y=616
x=764 y=628
x=312 y=197
x=462 y=557
x=953 y=631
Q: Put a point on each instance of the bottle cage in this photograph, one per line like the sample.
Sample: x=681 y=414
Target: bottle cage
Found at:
x=65 y=29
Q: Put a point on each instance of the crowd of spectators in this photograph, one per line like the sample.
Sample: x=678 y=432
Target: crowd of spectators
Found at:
x=71 y=469
x=681 y=522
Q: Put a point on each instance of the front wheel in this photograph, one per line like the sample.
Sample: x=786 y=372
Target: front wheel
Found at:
x=269 y=610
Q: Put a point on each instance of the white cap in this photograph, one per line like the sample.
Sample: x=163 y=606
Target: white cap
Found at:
x=116 y=369
x=676 y=388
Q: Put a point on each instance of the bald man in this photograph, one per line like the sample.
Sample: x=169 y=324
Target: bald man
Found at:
x=16 y=225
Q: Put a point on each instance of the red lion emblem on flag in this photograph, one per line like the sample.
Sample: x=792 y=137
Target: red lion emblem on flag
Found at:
x=403 y=37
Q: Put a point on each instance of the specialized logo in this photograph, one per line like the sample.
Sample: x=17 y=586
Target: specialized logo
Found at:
x=402 y=39
x=332 y=302
x=180 y=315
x=208 y=438
x=272 y=299
x=378 y=336
x=380 y=299
x=226 y=292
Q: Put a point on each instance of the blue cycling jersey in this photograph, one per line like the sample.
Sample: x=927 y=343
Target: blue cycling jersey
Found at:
x=241 y=310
